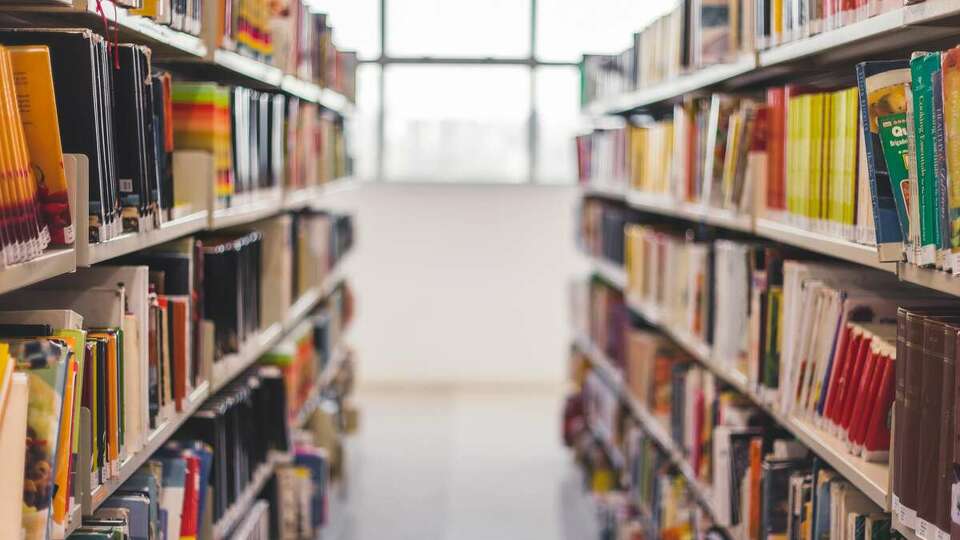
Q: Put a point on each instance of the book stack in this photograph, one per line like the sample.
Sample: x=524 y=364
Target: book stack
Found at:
x=602 y=159
x=683 y=297
x=243 y=132
x=782 y=21
x=183 y=15
x=34 y=195
x=321 y=239
x=126 y=103
x=601 y=229
x=166 y=497
x=232 y=288
x=673 y=451
x=241 y=426
x=316 y=151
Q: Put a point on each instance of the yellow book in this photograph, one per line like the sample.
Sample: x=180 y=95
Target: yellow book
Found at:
x=837 y=148
x=826 y=154
x=6 y=369
x=793 y=133
x=815 y=163
x=33 y=79
x=850 y=155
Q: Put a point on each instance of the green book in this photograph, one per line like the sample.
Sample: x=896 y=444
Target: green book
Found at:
x=894 y=142
x=922 y=67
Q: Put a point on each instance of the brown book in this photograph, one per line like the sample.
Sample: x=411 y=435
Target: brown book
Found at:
x=930 y=394
x=910 y=427
x=641 y=352
x=896 y=467
x=947 y=426
x=179 y=308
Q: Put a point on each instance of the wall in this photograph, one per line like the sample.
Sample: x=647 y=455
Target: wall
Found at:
x=461 y=284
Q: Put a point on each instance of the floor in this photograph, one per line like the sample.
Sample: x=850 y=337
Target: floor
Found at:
x=461 y=464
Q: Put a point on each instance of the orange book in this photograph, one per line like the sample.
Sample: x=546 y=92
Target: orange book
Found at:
x=62 y=496
x=26 y=180
x=756 y=465
x=37 y=105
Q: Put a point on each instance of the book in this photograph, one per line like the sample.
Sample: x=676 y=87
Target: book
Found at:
x=881 y=86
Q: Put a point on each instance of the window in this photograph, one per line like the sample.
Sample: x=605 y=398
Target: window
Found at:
x=459 y=28
x=456 y=123
x=459 y=93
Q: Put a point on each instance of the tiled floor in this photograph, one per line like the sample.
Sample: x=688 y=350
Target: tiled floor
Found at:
x=456 y=464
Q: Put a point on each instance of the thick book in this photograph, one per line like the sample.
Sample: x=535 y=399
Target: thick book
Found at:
x=922 y=67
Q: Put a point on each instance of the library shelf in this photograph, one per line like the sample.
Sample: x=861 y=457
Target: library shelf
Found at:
x=850 y=39
x=822 y=243
x=89 y=254
x=930 y=278
x=234 y=515
x=326 y=377
x=651 y=425
x=165 y=42
x=335 y=101
x=302 y=89
x=873 y=479
x=232 y=365
x=711 y=76
x=51 y=263
x=613 y=190
x=93 y=498
x=900 y=28
x=252 y=69
x=610 y=271
x=259 y=205
x=699 y=213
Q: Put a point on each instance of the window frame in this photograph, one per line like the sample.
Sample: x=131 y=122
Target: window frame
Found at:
x=530 y=60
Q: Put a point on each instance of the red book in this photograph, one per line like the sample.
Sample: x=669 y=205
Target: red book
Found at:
x=866 y=396
x=856 y=344
x=839 y=363
x=846 y=414
x=877 y=437
x=189 y=518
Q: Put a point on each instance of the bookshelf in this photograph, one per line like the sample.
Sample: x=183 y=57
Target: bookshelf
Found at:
x=234 y=515
x=652 y=426
x=52 y=263
x=91 y=499
x=873 y=479
x=89 y=254
x=903 y=27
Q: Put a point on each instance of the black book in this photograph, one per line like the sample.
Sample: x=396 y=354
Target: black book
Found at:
x=77 y=61
x=130 y=137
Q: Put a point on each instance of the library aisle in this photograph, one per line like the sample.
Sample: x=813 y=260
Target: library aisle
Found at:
x=464 y=463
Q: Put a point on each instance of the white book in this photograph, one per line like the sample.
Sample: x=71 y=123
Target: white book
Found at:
x=13 y=434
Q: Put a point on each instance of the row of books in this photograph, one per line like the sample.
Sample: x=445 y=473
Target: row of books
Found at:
x=183 y=15
x=745 y=477
x=289 y=35
x=135 y=126
x=600 y=229
x=697 y=34
x=825 y=343
x=796 y=157
x=239 y=444
x=133 y=340
x=309 y=352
